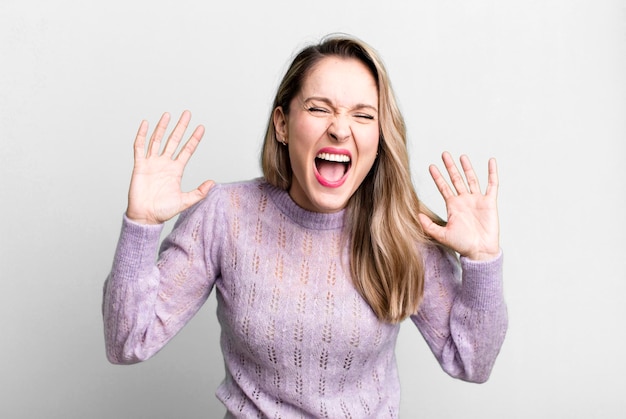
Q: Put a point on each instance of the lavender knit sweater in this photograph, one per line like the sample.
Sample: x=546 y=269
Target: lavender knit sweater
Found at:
x=297 y=339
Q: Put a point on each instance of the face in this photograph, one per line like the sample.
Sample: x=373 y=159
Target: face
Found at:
x=332 y=133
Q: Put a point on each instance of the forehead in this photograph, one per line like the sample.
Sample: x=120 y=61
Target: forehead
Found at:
x=341 y=80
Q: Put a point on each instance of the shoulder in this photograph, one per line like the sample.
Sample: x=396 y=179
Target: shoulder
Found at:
x=237 y=195
x=227 y=208
x=245 y=188
x=238 y=200
x=222 y=193
x=223 y=198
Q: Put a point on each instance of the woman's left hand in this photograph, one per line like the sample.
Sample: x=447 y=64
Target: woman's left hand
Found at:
x=472 y=228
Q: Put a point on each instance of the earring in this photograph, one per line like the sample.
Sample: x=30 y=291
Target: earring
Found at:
x=283 y=142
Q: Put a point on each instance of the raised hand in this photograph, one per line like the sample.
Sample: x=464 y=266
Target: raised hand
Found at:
x=155 y=193
x=472 y=229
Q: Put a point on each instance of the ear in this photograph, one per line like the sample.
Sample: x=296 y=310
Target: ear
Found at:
x=280 y=124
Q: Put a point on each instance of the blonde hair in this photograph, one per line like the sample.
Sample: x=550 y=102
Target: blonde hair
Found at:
x=383 y=228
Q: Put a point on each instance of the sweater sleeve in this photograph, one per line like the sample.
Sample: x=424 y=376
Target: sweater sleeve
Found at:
x=147 y=301
x=463 y=316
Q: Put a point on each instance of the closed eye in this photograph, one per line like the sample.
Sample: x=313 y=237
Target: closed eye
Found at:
x=316 y=109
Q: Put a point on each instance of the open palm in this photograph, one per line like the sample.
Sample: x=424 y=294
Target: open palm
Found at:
x=155 y=194
x=472 y=228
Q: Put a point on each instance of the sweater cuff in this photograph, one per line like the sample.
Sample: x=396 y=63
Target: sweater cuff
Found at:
x=482 y=282
x=138 y=244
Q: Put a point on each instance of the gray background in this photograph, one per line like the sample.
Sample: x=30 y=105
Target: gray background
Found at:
x=539 y=85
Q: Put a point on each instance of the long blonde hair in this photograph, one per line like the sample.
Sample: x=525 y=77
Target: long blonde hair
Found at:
x=383 y=228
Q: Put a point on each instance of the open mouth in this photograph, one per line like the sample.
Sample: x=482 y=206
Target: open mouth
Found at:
x=332 y=167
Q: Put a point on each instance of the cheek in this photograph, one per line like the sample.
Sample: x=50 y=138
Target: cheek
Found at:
x=306 y=129
x=369 y=141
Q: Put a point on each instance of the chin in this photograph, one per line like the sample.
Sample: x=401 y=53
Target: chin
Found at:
x=330 y=202
x=316 y=197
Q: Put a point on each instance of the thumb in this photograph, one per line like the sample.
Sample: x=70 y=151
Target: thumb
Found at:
x=205 y=187
x=434 y=230
x=197 y=194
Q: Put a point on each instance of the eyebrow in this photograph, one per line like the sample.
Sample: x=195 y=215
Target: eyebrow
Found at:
x=330 y=103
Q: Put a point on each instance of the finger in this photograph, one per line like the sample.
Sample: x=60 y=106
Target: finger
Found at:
x=453 y=172
x=190 y=146
x=493 y=180
x=157 y=135
x=177 y=133
x=433 y=230
x=470 y=175
x=197 y=195
x=140 y=140
x=441 y=183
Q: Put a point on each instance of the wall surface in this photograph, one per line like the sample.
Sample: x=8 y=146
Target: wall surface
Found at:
x=539 y=85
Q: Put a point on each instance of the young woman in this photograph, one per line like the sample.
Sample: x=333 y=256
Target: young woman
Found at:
x=316 y=263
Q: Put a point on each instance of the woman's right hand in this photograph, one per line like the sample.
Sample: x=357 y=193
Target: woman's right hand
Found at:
x=155 y=194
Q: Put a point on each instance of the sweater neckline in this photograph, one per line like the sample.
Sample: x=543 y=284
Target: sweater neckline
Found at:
x=305 y=218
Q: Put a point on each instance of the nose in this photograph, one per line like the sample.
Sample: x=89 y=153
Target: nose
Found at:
x=339 y=128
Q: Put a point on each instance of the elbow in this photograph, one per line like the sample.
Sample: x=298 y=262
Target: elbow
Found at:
x=470 y=373
x=475 y=367
x=118 y=357
x=477 y=374
x=479 y=369
x=119 y=360
x=126 y=349
x=125 y=355
x=478 y=377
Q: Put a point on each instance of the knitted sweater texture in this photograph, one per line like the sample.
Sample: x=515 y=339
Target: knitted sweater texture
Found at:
x=297 y=339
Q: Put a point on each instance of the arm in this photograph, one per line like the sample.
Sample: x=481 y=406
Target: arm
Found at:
x=146 y=303
x=463 y=321
x=463 y=315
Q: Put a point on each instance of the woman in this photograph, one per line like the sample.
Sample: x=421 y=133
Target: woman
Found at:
x=316 y=263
